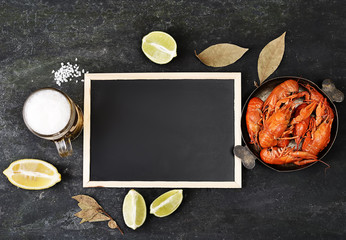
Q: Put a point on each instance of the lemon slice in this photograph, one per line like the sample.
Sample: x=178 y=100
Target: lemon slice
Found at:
x=167 y=203
x=32 y=174
x=134 y=209
x=159 y=47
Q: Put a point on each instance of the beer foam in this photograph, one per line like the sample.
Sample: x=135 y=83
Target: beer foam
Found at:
x=47 y=112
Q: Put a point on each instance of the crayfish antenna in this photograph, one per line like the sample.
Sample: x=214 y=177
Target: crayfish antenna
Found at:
x=302 y=84
x=328 y=166
x=300 y=78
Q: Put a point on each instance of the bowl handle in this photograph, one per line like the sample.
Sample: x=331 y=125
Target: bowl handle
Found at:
x=333 y=93
x=247 y=158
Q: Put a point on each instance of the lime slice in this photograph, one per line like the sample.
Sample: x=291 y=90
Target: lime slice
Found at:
x=134 y=209
x=32 y=174
x=159 y=47
x=167 y=203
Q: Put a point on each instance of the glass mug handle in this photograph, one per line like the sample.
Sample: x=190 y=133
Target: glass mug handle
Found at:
x=64 y=147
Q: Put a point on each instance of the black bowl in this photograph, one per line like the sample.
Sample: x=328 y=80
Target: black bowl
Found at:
x=262 y=92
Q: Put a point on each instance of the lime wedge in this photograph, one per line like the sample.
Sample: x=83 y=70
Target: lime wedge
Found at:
x=167 y=203
x=134 y=209
x=159 y=47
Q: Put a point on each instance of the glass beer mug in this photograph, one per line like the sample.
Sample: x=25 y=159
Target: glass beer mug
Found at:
x=50 y=114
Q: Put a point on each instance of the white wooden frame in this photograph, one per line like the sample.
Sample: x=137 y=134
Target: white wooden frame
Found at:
x=237 y=183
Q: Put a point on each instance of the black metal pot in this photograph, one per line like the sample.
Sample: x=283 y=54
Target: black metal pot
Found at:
x=262 y=92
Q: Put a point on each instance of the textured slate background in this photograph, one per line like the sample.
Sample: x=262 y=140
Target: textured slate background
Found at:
x=105 y=36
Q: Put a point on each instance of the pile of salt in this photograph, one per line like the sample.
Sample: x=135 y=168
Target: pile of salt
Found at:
x=68 y=73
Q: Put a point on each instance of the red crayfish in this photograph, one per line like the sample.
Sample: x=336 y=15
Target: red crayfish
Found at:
x=289 y=114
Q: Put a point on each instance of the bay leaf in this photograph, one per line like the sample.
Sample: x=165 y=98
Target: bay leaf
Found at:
x=221 y=55
x=270 y=57
x=87 y=202
x=99 y=217
x=86 y=215
x=84 y=206
x=93 y=212
x=83 y=221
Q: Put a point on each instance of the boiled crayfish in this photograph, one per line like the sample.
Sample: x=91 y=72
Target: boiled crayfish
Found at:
x=287 y=114
x=254 y=119
x=285 y=155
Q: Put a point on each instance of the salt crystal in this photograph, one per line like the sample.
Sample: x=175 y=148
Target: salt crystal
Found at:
x=67 y=73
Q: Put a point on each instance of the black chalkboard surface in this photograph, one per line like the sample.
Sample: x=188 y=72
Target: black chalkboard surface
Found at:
x=162 y=130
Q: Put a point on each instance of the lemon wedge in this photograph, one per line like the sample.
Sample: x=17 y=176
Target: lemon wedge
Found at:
x=167 y=203
x=32 y=174
x=159 y=47
x=134 y=209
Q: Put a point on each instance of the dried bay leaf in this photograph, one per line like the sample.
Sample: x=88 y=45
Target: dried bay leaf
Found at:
x=270 y=57
x=87 y=201
x=221 y=55
x=84 y=206
x=99 y=217
x=86 y=214
x=93 y=212
x=83 y=221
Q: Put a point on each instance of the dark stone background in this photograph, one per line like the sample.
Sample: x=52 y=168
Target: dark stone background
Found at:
x=105 y=36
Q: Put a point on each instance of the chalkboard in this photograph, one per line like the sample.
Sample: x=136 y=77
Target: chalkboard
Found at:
x=162 y=130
